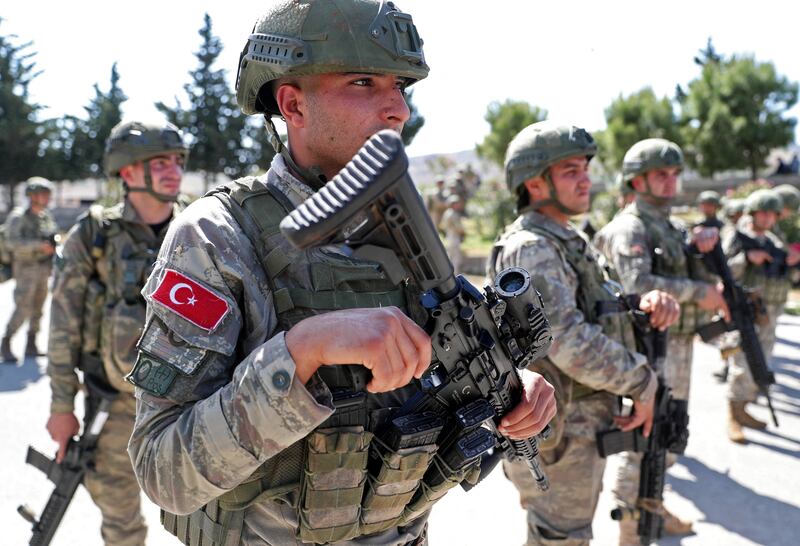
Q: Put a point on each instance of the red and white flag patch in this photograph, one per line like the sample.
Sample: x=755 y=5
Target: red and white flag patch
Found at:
x=191 y=301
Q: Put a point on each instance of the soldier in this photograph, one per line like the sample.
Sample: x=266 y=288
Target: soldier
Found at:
x=649 y=250
x=243 y=433
x=750 y=268
x=453 y=227
x=436 y=202
x=709 y=203
x=30 y=237
x=733 y=210
x=591 y=360
x=791 y=200
x=97 y=313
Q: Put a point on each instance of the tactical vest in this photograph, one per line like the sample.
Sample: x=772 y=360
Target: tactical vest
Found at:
x=667 y=246
x=596 y=297
x=114 y=309
x=342 y=479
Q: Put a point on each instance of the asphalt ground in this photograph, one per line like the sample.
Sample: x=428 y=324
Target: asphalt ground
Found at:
x=737 y=495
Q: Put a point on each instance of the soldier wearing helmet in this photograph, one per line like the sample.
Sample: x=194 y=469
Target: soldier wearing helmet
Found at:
x=97 y=312
x=759 y=261
x=648 y=249
x=29 y=236
x=594 y=359
x=733 y=210
x=709 y=203
x=264 y=371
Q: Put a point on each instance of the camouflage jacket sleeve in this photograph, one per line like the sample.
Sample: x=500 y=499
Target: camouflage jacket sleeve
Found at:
x=74 y=268
x=736 y=257
x=19 y=242
x=580 y=349
x=235 y=401
x=625 y=245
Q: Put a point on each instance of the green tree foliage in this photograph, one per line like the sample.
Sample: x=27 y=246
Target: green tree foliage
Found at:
x=19 y=127
x=734 y=113
x=633 y=118
x=415 y=120
x=506 y=119
x=222 y=139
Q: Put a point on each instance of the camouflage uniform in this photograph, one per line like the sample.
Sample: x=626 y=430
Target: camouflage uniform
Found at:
x=436 y=203
x=25 y=233
x=773 y=293
x=453 y=227
x=97 y=315
x=646 y=247
x=226 y=407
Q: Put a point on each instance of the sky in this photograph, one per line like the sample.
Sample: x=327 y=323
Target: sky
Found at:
x=570 y=58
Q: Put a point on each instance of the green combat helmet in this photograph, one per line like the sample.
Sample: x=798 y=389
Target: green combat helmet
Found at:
x=649 y=154
x=537 y=148
x=134 y=141
x=733 y=207
x=37 y=184
x=790 y=196
x=296 y=38
x=709 y=197
x=763 y=200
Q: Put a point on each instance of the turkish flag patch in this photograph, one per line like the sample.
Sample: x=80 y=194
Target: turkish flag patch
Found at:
x=195 y=303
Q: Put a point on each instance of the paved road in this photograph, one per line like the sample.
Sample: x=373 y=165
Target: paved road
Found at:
x=739 y=495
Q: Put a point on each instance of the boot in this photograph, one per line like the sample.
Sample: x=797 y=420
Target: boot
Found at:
x=675 y=526
x=5 y=349
x=744 y=418
x=30 y=347
x=627 y=533
x=735 y=433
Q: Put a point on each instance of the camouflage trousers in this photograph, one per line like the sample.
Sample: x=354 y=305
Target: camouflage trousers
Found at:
x=677 y=374
x=112 y=484
x=742 y=388
x=563 y=514
x=453 y=245
x=29 y=295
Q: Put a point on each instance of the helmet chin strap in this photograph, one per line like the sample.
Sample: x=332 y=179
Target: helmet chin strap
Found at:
x=148 y=182
x=657 y=200
x=312 y=176
x=553 y=199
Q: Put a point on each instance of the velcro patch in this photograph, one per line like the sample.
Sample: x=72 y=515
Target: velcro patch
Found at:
x=152 y=374
x=190 y=300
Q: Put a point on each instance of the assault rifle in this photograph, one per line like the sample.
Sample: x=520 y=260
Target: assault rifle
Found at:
x=669 y=433
x=68 y=474
x=777 y=267
x=479 y=340
x=744 y=319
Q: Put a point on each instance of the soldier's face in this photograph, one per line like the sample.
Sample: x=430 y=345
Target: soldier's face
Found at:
x=40 y=199
x=166 y=172
x=663 y=182
x=572 y=183
x=332 y=115
x=708 y=209
x=764 y=220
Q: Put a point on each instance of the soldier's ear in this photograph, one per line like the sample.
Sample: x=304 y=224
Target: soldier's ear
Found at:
x=537 y=188
x=638 y=183
x=291 y=103
x=126 y=173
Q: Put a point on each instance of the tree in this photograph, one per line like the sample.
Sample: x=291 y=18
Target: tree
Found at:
x=222 y=140
x=19 y=128
x=415 y=120
x=735 y=113
x=633 y=118
x=103 y=112
x=506 y=119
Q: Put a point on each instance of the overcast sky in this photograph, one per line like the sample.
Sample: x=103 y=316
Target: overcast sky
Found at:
x=571 y=58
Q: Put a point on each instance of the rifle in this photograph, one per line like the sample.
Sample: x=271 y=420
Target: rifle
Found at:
x=669 y=433
x=744 y=319
x=777 y=268
x=68 y=474
x=479 y=341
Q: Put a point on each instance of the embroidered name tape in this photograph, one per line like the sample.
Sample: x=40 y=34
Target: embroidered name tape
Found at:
x=191 y=301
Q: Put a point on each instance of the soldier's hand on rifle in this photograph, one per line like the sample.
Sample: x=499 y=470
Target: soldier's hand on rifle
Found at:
x=536 y=409
x=758 y=257
x=642 y=415
x=46 y=248
x=704 y=238
x=383 y=340
x=713 y=301
x=62 y=427
x=664 y=310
